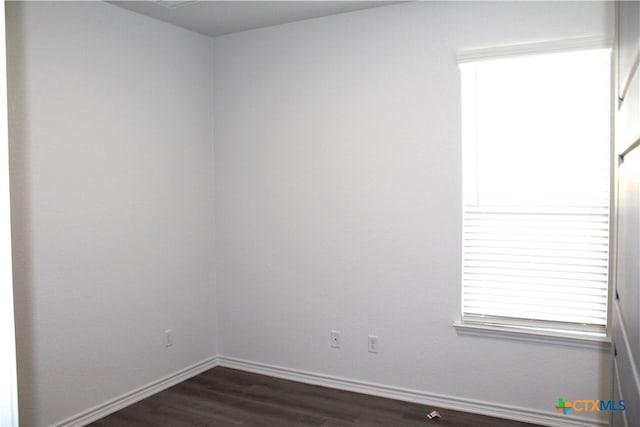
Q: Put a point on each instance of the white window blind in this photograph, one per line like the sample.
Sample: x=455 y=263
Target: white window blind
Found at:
x=536 y=141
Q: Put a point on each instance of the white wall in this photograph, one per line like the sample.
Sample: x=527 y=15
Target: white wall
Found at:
x=111 y=162
x=337 y=194
x=338 y=200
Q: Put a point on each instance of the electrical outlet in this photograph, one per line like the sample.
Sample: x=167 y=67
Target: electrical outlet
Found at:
x=168 y=335
x=335 y=339
x=373 y=343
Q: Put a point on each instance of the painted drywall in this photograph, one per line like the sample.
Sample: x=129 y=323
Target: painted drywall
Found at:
x=337 y=194
x=338 y=201
x=111 y=174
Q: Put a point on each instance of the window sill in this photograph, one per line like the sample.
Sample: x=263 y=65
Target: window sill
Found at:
x=567 y=339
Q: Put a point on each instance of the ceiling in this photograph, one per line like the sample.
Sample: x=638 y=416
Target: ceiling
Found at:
x=216 y=17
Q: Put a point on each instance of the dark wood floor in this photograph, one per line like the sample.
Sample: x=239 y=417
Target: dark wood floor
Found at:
x=227 y=397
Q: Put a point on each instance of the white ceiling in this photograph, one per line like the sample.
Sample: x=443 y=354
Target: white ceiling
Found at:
x=215 y=18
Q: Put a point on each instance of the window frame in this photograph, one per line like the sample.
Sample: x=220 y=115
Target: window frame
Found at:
x=532 y=330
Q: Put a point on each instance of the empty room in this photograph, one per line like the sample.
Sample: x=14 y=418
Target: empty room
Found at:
x=320 y=213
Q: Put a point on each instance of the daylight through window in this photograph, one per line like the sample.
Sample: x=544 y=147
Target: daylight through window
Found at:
x=536 y=163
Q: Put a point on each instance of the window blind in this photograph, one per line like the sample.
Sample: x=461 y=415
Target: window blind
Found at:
x=547 y=264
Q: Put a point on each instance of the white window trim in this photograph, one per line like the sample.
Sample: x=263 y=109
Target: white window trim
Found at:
x=546 y=47
x=531 y=334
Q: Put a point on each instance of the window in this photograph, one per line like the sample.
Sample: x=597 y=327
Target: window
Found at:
x=536 y=163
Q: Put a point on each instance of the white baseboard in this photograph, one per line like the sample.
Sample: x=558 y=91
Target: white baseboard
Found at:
x=134 y=396
x=414 y=396
x=397 y=393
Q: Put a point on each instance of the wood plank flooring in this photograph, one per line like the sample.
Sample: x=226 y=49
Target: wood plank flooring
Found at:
x=228 y=397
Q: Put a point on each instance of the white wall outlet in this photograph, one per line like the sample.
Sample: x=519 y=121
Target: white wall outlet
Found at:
x=373 y=343
x=335 y=339
x=168 y=336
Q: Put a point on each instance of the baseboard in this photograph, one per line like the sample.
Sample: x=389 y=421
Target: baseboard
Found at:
x=134 y=396
x=397 y=393
x=414 y=396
